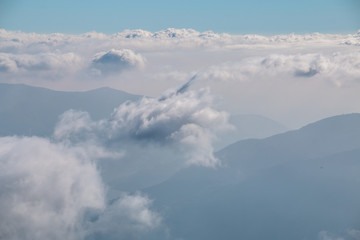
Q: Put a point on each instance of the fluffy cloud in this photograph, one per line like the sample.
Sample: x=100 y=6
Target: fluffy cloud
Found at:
x=62 y=55
x=180 y=117
x=53 y=191
x=11 y=63
x=117 y=61
x=45 y=189
x=128 y=217
x=338 y=68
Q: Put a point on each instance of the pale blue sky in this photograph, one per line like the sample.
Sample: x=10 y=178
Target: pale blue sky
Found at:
x=232 y=16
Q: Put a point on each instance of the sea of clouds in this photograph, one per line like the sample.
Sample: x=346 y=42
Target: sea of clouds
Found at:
x=52 y=188
x=246 y=69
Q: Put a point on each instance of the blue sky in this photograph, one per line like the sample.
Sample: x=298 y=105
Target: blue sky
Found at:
x=250 y=16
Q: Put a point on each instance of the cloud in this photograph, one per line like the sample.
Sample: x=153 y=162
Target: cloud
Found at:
x=117 y=61
x=90 y=55
x=180 y=117
x=337 y=68
x=45 y=189
x=128 y=217
x=46 y=62
x=53 y=191
x=239 y=67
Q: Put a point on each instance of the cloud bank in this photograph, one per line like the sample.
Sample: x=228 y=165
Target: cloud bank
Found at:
x=337 y=68
x=31 y=57
x=45 y=62
x=17 y=41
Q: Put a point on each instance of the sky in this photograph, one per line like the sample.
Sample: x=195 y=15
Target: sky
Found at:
x=230 y=16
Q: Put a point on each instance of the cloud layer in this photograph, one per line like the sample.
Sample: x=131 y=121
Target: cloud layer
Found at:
x=170 y=38
x=337 y=68
x=45 y=62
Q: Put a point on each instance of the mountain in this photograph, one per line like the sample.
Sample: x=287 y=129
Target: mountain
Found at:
x=295 y=185
x=250 y=126
x=325 y=137
x=27 y=110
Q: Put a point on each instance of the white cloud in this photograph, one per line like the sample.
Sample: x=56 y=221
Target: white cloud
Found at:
x=63 y=55
x=128 y=217
x=350 y=234
x=180 y=118
x=325 y=64
x=54 y=191
x=72 y=123
x=19 y=42
x=337 y=68
x=117 y=61
x=45 y=62
x=45 y=189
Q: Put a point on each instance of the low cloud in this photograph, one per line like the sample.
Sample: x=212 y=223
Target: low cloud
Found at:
x=45 y=189
x=117 y=61
x=50 y=190
x=17 y=41
x=128 y=217
x=26 y=57
x=337 y=68
x=181 y=118
x=12 y=63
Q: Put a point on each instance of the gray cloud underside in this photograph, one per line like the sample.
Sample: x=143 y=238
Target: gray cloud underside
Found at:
x=98 y=56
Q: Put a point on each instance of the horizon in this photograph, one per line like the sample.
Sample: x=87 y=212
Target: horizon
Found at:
x=203 y=31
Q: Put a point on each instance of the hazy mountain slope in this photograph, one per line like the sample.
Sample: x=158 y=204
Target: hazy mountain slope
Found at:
x=250 y=126
x=325 y=137
x=289 y=186
x=290 y=201
x=26 y=110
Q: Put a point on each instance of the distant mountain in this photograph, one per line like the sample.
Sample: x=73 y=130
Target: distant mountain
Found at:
x=250 y=126
x=293 y=185
x=325 y=137
x=27 y=110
